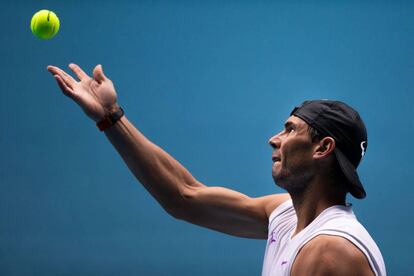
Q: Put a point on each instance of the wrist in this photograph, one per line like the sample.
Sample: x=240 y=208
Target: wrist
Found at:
x=113 y=115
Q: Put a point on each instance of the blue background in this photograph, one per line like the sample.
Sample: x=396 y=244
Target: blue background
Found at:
x=210 y=82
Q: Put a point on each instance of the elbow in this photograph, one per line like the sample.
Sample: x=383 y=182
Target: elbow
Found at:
x=178 y=211
x=175 y=212
x=180 y=207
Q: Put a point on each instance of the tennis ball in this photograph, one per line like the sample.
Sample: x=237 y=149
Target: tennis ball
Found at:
x=45 y=24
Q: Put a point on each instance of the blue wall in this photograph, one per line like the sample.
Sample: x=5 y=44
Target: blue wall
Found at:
x=210 y=82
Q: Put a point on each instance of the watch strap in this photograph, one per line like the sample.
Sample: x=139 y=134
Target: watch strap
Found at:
x=110 y=119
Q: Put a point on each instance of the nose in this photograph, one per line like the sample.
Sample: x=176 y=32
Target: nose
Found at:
x=274 y=141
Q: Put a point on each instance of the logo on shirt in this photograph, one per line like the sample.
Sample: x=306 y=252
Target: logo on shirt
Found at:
x=272 y=237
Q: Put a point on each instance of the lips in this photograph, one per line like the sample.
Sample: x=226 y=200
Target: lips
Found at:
x=275 y=158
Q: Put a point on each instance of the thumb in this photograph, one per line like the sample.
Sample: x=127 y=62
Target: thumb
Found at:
x=98 y=73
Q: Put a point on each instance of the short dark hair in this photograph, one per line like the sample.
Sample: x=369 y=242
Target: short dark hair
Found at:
x=315 y=135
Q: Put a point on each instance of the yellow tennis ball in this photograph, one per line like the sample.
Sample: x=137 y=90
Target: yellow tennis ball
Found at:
x=45 y=24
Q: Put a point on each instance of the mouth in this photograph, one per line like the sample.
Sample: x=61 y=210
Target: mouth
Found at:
x=275 y=158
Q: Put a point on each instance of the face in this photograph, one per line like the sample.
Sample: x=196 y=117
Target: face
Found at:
x=293 y=164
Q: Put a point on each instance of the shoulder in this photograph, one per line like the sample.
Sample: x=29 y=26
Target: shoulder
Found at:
x=270 y=202
x=330 y=255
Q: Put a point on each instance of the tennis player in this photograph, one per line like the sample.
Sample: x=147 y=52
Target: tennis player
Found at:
x=310 y=230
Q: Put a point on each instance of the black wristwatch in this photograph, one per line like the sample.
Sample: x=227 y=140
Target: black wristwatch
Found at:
x=110 y=119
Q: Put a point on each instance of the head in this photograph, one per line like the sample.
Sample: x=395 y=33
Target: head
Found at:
x=324 y=139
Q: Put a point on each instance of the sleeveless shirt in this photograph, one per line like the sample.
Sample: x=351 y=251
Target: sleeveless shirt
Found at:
x=338 y=220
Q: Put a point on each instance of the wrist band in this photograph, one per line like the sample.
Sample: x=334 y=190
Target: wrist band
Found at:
x=110 y=119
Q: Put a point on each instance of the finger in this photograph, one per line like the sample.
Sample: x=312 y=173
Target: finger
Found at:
x=65 y=89
x=98 y=73
x=78 y=71
x=69 y=81
x=53 y=69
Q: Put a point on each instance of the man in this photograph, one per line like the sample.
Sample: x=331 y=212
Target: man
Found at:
x=309 y=231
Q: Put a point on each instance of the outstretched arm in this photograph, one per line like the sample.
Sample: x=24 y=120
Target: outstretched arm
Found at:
x=183 y=196
x=178 y=192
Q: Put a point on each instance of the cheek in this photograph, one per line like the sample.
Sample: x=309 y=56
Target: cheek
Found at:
x=297 y=152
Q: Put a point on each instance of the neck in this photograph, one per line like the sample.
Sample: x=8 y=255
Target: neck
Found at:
x=318 y=196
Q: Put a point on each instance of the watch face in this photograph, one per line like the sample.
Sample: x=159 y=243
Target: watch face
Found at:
x=117 y=115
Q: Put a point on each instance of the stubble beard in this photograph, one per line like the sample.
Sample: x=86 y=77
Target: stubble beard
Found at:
x=295 y=180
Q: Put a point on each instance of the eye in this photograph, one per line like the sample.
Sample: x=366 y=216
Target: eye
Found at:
x=290 y=129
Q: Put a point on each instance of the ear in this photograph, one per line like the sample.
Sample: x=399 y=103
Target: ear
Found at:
x=324 y=148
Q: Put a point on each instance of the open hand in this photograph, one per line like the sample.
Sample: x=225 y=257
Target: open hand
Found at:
x=96 y=95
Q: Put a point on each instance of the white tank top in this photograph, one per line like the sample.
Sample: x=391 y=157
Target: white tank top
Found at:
x=281 y=249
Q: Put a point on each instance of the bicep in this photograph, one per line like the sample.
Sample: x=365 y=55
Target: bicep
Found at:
x=229 y=211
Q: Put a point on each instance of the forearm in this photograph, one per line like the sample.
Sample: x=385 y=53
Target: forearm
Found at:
x=163 y=176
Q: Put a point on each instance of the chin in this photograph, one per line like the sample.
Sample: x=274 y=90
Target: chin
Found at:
x=288 y=182
x=280 y=181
